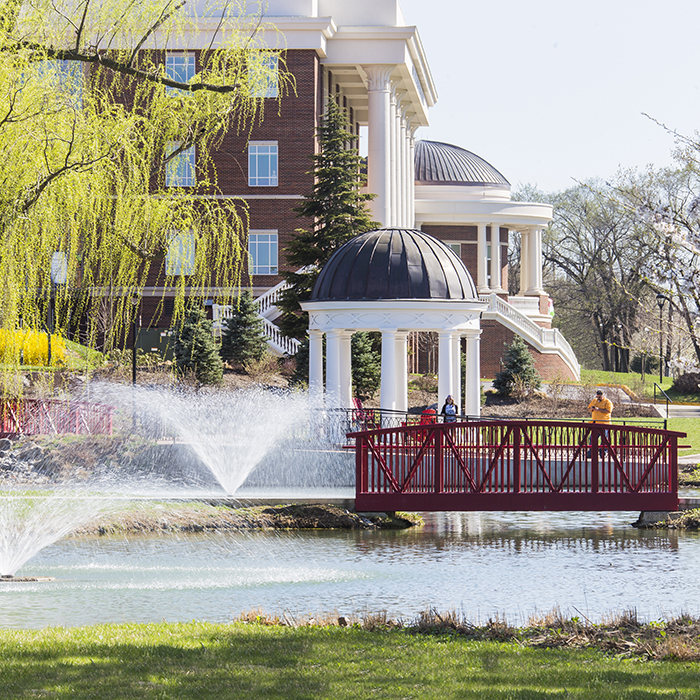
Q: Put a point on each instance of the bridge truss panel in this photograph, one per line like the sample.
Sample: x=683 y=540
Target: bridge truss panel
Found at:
x=512 y=465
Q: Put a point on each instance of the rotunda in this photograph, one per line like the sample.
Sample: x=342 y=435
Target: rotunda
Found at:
x=394 y=281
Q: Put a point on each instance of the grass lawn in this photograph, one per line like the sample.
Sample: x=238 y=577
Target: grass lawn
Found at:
x=634 y=382
x=202 y=661
x=691 y=426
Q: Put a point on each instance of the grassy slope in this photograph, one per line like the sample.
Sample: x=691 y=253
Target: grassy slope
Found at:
x=203 y=661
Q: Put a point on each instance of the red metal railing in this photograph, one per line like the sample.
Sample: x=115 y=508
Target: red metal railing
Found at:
x=53 y=417
x=515 y=465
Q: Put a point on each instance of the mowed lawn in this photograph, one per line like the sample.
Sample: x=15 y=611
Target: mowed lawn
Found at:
x=256 y=662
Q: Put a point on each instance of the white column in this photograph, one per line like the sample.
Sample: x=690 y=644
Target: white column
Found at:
x=333 y=368
x=393 y=170
x=316 y=368
x=524 y=261
x=445 y=366
x=472 y=375
x=387 y=400
x=412 y=177
x=401 y=364
x=457 y=371
x=345 y=370
x=496 y=258
x=379 y=141
x=401 y=146
x=534 y=262
x=481 y=259
x=538 y=261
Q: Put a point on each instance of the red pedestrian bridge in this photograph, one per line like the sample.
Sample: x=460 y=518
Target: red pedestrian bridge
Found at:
x=516 y=465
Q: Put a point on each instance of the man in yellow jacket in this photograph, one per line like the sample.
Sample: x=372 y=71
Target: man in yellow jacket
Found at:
x=601 y=410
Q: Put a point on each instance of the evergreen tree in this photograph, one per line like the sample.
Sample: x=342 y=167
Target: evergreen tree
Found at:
x=195 y=348
x=337 y=209
x=242 y=339
x=366 y=366
x=518 y=376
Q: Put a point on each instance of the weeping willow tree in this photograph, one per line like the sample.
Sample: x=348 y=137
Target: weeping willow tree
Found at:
x=90 y=122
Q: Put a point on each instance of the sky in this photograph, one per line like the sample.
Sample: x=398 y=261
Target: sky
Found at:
x=551 y=92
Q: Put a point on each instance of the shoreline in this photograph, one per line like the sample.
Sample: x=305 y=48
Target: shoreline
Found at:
x=196 y=516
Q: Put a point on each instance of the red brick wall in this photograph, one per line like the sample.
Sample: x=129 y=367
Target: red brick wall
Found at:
x=292 y=122
x=494 y=336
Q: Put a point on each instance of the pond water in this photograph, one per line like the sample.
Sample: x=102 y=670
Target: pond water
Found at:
x=481 y=564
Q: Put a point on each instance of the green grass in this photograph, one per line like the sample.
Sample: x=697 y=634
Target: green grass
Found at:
x=204 y=661
x=691 y=426
x=80 y=356
x=634 y=382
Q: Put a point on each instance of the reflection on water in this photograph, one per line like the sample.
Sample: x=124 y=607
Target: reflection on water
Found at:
x=482 y=564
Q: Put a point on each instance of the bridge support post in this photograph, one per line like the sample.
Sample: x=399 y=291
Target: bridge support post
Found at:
x=439 y=478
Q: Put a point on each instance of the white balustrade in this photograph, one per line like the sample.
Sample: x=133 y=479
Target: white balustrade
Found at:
x=543 y=339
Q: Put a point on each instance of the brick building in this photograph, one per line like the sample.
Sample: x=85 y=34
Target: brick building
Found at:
x=363 y=55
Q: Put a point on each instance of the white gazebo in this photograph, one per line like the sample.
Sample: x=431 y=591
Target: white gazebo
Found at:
x=394 y=281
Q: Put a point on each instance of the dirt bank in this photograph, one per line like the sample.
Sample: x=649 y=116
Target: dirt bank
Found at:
x=196 y=516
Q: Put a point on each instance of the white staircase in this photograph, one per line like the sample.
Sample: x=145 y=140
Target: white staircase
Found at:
x=268 y=312
x=545 y=340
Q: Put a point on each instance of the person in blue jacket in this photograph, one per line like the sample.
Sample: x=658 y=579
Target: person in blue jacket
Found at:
x=450 y=410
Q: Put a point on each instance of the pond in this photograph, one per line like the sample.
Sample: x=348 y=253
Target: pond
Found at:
x=481 y=564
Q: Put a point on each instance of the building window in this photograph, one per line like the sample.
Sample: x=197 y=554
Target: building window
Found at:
x=179 y=259
x=180 y=170
x=457 y=248
x=68 y=77
x=262 y=164
x=262 y=251
x=178 y=66
x=263 y=74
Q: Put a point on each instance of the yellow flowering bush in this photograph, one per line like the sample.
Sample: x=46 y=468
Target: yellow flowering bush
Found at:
x=31 y=347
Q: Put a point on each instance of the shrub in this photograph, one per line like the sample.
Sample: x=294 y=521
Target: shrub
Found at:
x=518 y=378
x=242 y=339
x=31 y=347
x=195 y=348
x=688 y=383
x=650 y=362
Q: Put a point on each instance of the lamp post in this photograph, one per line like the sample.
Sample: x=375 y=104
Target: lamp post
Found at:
x=660 y=299
x=59 y=275
x=135 y=300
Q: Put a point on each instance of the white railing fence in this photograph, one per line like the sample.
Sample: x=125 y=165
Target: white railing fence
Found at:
x=546 y=340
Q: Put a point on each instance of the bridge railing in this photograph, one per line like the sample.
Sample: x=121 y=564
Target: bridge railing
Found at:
x=54 y=417
x=511 y=465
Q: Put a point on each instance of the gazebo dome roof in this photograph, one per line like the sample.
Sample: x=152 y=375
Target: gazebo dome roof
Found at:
x=439 y=163
x=393 y=263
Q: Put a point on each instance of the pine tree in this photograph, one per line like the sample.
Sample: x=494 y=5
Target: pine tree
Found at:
x=195 y=348
x=337 y=209
x=518 y=377
x=366 y=365
x=242 y=339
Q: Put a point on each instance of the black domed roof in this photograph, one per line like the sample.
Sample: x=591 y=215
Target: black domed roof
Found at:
x=394 y=263
x=443 y=164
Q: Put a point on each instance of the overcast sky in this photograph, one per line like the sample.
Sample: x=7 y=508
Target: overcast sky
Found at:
x=549 y=91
